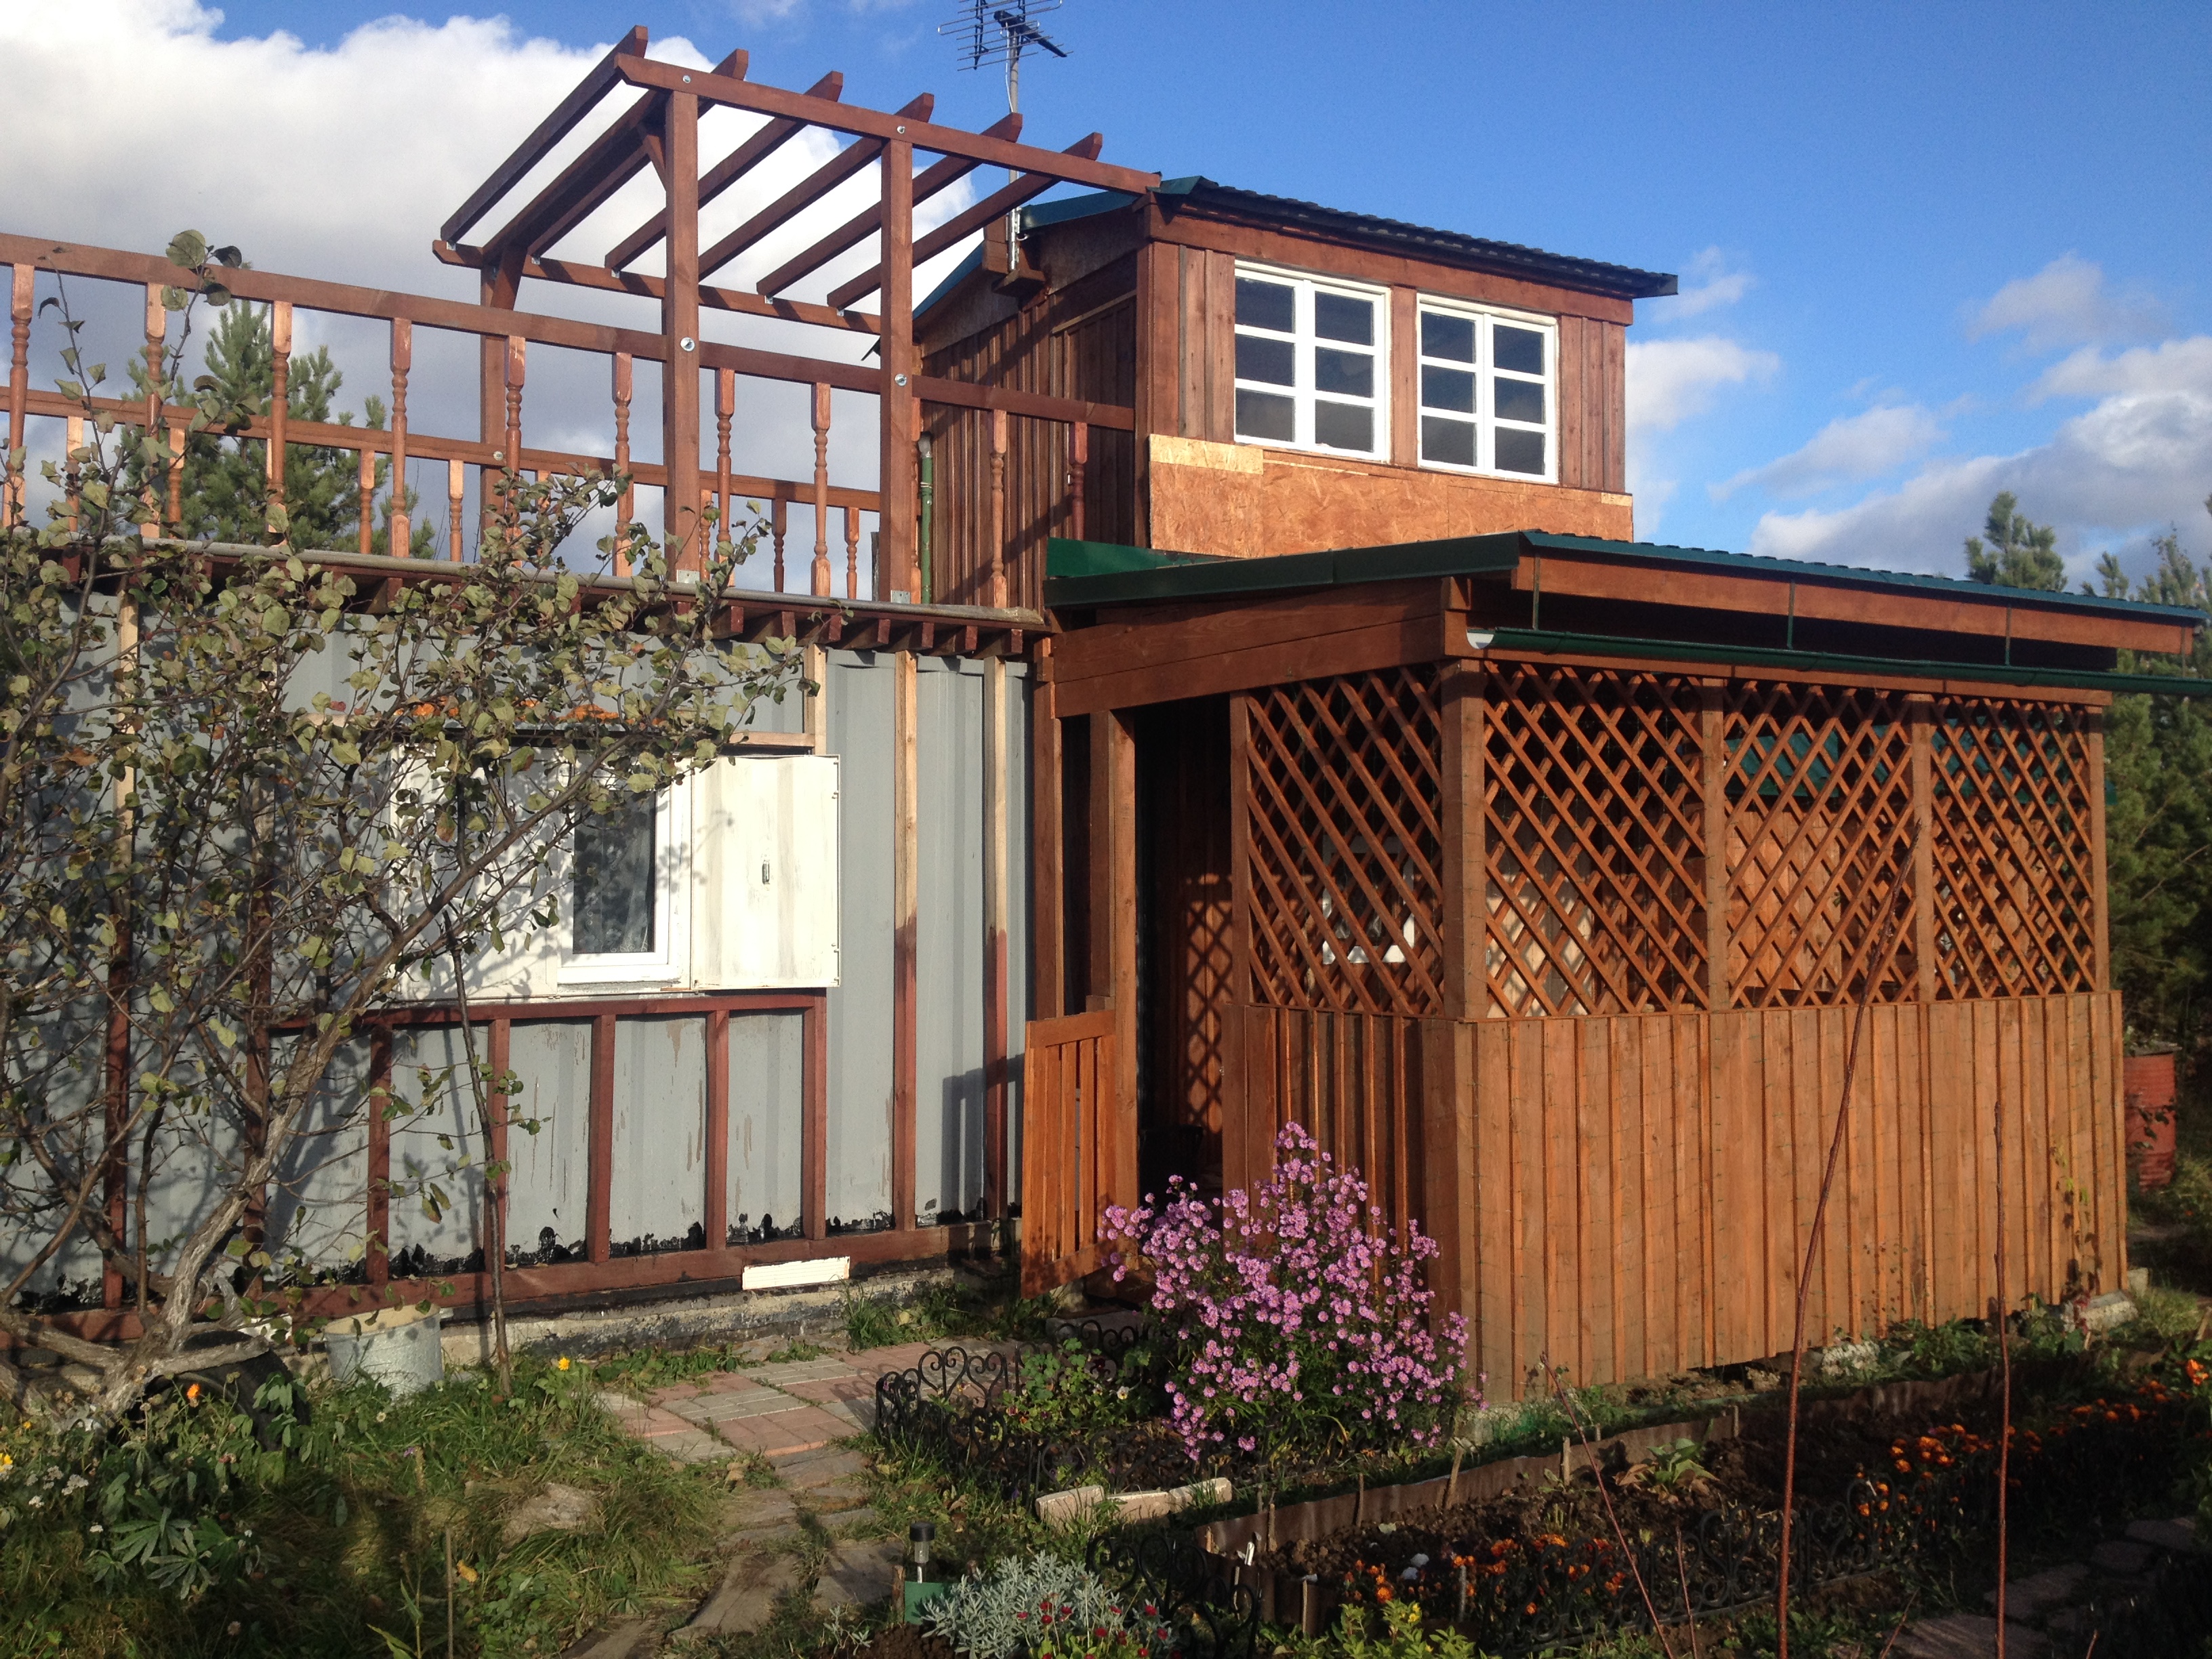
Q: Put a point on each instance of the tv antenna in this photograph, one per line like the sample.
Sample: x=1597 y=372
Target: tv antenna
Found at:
x=999 y=34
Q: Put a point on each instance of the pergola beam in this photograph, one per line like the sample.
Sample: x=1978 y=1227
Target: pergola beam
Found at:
x=743 y=160
x=576 y=274
x=997 y=205
x=807 y=191
x=551 y=131
x=1064 y=165
x=938 y=176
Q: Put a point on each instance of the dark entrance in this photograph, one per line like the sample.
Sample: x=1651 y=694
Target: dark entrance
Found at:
x=1183 y=957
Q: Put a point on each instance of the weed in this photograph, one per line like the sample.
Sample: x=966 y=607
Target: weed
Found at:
x=642 y=1371
x=1400 y=1638
x=1673 y=1464
x=2168 y=1315
x=1918 y=1350
x=792 y=1352
x=872 y=1322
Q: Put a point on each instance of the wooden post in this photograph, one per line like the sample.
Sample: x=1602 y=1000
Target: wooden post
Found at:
x=906 y=887
x=280 y=396
x=599 y=1144
x=1236 y=1170
x=717 y=1210
x=1920 y=710
x=1047 y=897
x=994 y=937
x=895 y=572
x=998 y=566
x=820 y=574
x=1466 y=895
x=680 y=324
x=501 y=284
x=1114 y=908
x=1078 y=465
x=2099 y=893
x=1714 y=726
x=624 y=387
x=401 y=542
x=19 y=385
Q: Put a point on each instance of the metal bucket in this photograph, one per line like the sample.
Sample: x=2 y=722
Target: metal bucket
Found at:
x=395 y=1346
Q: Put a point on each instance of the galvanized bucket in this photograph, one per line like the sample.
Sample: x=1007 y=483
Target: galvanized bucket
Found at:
x=395 y=1346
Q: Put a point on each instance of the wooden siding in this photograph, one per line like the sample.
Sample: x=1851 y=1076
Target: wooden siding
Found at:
x=1631 y=1195
x=1592 y=404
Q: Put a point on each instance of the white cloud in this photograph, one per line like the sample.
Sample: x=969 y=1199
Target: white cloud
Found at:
x=2173 y=366
x=1845 y=451
x=1671 y=381
x=2065 y=303
x=1712 y=285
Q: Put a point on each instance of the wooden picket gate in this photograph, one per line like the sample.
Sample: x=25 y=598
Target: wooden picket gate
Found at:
x=1071 y=1151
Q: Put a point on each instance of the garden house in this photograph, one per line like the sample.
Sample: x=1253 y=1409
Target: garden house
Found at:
x=1237 y=696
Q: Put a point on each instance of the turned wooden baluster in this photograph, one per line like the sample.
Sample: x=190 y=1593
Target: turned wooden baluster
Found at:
x=157 y=329
x=517 y=348
x=72 y=441
x=821 y=572
x=456 y=483
x=852 y=552
x=402 y=541
x=777 y=525
x=280 y=400
x=726 y=406
x=176 y=476
x=365 y=486
x=1077 y=467
x=626 y=508
x=19 y=389
x=999 y=508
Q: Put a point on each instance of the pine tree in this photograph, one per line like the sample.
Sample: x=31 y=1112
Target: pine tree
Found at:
x=2019 y=553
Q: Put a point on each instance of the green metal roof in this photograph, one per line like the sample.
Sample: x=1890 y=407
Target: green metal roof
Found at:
x=1083 y=575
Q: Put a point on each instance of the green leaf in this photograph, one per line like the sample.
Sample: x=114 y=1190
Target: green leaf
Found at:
x=214 y=293
x=189 y=249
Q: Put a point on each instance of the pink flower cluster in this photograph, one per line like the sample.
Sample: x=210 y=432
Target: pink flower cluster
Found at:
x=1302 y=1322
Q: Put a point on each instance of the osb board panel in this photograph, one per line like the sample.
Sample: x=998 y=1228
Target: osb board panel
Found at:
x=1611 y=1153
x=1205 y=503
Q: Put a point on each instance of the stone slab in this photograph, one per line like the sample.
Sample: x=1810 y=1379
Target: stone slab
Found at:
x=836 y=1495
x=1969 y=1636
x=859 y=1574
x=631 y=1636
x=745 y=1599
x=863 y=1519
x=692 y=1446
x=2122 y=1557
x=2033 y=1596
x=2177 y=1535
x=817 y=1468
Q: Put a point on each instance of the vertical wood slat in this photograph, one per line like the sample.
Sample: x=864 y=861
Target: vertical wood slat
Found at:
x=996 y=553
x=2100 y=892
x=1464 y=852
x=1921 y=712
x=1239 y=1072
x=1713 y=729
x=717 y=1160
x=599 y=1140
x=814 y=1120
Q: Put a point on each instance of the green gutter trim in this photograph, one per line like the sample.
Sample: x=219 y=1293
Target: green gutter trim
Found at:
x=1807 y=664
x=1079 y=574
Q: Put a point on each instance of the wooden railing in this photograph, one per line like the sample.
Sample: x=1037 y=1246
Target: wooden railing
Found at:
x=391 y=458
x=1076 y=1158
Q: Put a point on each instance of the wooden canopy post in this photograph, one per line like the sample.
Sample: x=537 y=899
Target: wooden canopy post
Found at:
x=1114 y=923
x=679 y=327
x=895 y=559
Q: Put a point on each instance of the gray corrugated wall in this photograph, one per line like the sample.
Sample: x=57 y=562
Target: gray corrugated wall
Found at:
x=659 y=1187
x=767 y=1057
x=545 y=1185
x=1019 y=909
x=859 y=1133
x=948 y=1115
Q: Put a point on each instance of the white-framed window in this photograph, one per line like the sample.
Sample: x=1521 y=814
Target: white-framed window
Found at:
x=1488 y=391
x=1313 y=362
x=623 y=879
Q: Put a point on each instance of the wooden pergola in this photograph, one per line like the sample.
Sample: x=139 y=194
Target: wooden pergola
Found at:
x=660 y=128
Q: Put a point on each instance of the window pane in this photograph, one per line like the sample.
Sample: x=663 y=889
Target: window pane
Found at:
x=1343 y=425
x=1262 y=415
x=1271 y=360
x=1447 y=336
x=1517 y=400
x=1447 y=388
x=1265 y=305
x=614 y=880
x=1520 y=349
x=1451 y=442
x=1520 y=451
x=1352 y=373
x=1341 y=317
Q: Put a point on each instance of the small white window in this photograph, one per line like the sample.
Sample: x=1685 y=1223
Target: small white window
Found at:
x=622 y=870
x=1312 y=363
x=1487 y=393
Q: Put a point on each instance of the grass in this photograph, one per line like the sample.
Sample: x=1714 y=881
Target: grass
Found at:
x=964 y=1310
x=356 y=1526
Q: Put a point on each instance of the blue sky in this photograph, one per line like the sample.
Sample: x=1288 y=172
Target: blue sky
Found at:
x=1930 y=251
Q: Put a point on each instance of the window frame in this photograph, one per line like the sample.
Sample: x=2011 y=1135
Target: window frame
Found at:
x=1484 y=368
x=1302 y=392
x=669 y=962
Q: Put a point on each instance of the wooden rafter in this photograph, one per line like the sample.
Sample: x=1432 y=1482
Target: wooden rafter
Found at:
x=756 y=150
x=806 y=192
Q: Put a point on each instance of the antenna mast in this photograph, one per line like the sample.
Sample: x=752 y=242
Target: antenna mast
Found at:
x=994 y=34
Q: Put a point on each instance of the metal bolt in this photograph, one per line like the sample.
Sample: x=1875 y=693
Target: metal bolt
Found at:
x=687 y=80
x=902 y=129
x=898 y=380
x=687 y=342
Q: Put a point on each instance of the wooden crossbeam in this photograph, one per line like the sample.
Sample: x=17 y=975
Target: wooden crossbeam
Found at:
x=807 y=191
x=756 y=150
x=1066 y=165
x=551 y=131
x=994 y=207
x=938 y=176
x=578 y=275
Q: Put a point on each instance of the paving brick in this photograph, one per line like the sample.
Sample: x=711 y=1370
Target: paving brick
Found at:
x=721 y=1408
x=1966 y=1636
x=656 y=1422
x=799 y=1371
x=782 y=1434
x=835 y=1495
x=693 y=1446
x=817 y=1468
x=859 y=1574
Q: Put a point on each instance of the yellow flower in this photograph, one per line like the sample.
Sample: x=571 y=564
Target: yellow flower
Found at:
x=467 y=1572
x=192 y=1394
x=564 y=1361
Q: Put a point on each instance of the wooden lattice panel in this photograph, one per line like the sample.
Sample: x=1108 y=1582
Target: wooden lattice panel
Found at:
x=1820 y=844
x=2016 y=893
x=1595 y=824
x=1342 y=787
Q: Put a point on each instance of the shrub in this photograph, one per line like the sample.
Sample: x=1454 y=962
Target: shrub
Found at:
x=1301 y=1322
x=1041 y=1604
